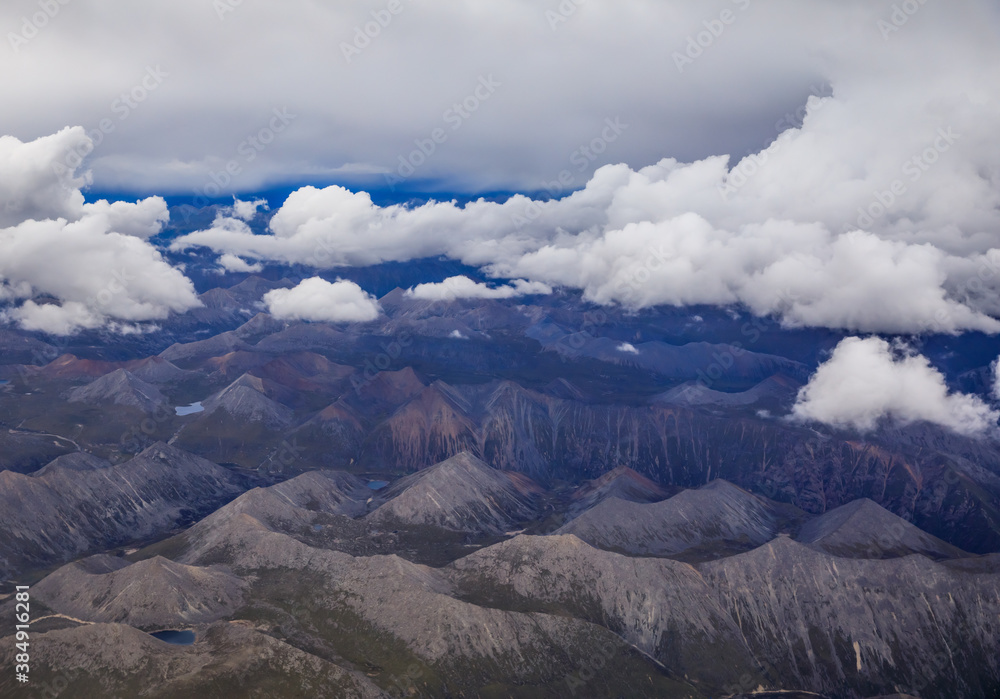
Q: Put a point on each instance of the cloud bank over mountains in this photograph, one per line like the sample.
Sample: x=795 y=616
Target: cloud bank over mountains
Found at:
x=66 y=265
x=875 y=208
x=666 y=235
x=861 y=192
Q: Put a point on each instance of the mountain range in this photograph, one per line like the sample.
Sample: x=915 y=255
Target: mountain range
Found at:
x=310 y=565
x=483 y=497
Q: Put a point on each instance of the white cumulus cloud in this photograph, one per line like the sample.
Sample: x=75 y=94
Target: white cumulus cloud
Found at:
x=143 y=219
x=246 y=210
x=233 y=263
x=867 y=380
x=90 y=261
x=54 y=319
x=462 y=287
x=34 y=183
x=316 y=299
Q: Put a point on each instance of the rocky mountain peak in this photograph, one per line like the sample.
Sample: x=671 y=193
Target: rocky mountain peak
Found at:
x=120 y=387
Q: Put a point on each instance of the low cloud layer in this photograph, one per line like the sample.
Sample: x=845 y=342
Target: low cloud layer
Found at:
x=665 y=235
x=66 y=265
x=462 y=287
x=246 y=210
x=316 y=299
x=233 y=263
x=874 y=208
x=866 y=381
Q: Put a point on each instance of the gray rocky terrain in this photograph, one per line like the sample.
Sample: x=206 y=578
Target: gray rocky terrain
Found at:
x=65 y=511
x=622 y=483
x=151 y=594
x=829 y=623
x=578 y=502
x=718 y=513
x=864 y=529
x=460 y=494
x=120 y=387
x=189 y=352
x=109 y=661
x=246 y=399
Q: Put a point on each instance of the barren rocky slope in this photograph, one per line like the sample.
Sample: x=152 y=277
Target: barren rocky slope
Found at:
x=153 y=593
x=863 y=529
x=530 y=615
x=460 y=494
x=64 y=511
x=718 y=513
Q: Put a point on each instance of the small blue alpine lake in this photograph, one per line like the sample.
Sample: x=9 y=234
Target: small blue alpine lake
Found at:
x=175 y=638
x=377 y=485
x=189 y=409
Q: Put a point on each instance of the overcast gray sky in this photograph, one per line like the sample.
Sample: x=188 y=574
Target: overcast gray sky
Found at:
x=561 y=69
